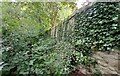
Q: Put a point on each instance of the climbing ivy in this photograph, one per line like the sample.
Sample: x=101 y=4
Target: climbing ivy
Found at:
x=97 y=28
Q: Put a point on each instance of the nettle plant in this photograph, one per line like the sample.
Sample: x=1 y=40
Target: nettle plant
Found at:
x=35 y=55
x=51 y=57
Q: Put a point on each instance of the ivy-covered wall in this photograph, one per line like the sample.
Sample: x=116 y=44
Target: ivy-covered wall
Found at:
x=94 y=26
x=97 y=27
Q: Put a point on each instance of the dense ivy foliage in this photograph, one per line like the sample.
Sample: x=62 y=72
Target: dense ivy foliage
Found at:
x=97 y=28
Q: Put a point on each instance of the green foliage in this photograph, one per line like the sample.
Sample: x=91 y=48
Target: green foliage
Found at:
x=84 y=60
x=27 y=16
x=29 y=49
x=44 y=56
x=55 y=58
x=27 y=45
x=97 y=72
x=97 y=28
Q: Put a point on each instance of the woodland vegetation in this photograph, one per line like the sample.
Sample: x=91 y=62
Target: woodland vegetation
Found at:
x=29 y=48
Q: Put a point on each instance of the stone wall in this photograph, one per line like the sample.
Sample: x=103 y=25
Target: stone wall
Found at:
x=108 y=63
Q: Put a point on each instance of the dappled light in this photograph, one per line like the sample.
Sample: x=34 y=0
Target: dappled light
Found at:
x=60 y=38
